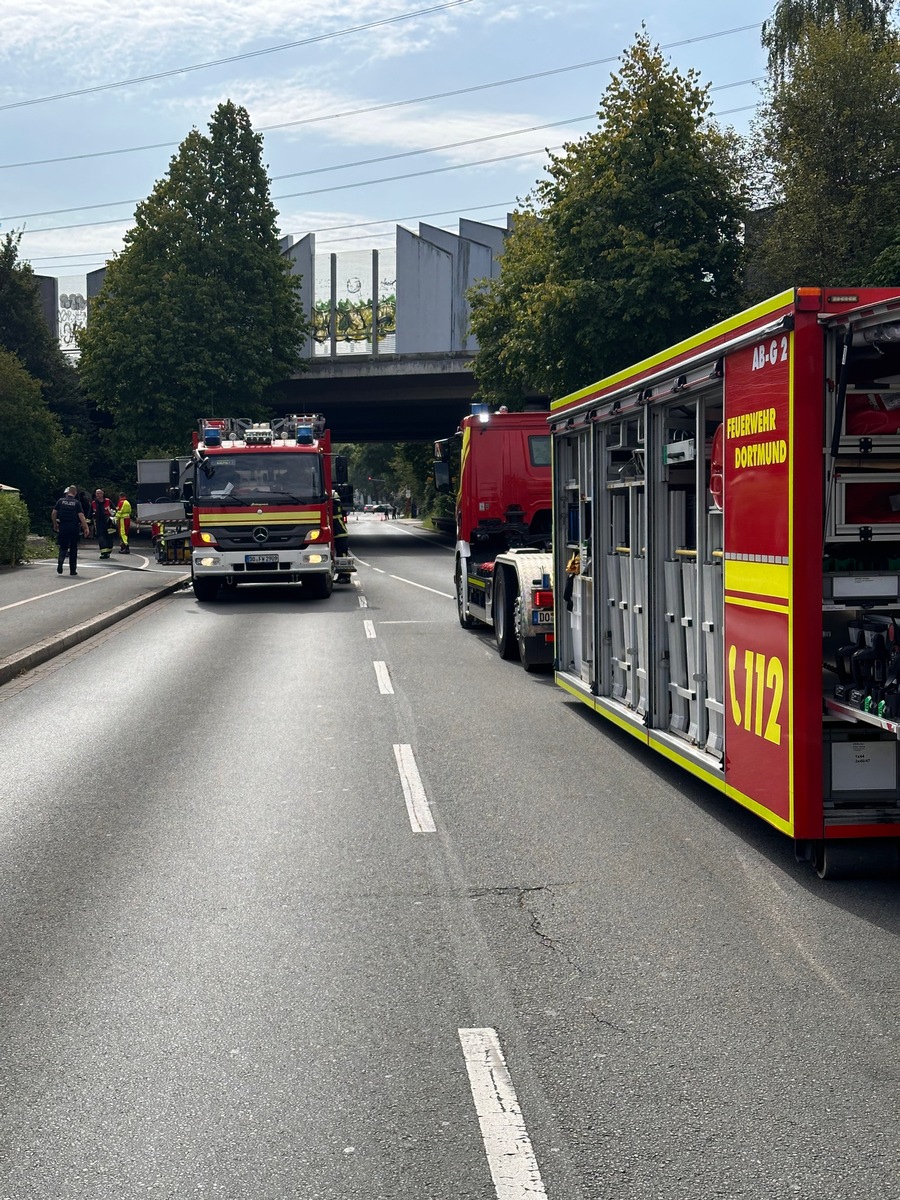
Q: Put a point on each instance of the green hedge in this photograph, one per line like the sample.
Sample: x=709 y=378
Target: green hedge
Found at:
x=14 y=526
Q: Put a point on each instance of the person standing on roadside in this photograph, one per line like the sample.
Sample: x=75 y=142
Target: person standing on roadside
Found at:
x=123 y=522
x=104 y=521
x=68 y=521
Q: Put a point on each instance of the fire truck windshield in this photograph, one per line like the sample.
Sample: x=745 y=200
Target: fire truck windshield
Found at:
x=269 y=478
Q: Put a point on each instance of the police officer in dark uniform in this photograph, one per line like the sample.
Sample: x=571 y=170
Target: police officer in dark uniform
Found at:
x=68 y=521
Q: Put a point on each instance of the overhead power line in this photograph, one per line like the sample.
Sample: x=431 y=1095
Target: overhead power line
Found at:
x=446 y=212
x=357 y=112
x=218 y=62
x=345 y=186
x=363 y=162
x=317 y=191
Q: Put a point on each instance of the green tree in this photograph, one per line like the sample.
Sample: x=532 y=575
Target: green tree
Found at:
x=828 y=141
x=632 y=243
x=33 y=451
x=24 y=332
x=199 y=314
x=886 y=268
x=785 y=30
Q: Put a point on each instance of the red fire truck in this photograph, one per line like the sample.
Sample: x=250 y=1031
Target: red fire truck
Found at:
x=261 y=504
x=735 y=505
x=503 y=563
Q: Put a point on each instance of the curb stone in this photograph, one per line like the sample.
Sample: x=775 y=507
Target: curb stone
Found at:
x=41 y=652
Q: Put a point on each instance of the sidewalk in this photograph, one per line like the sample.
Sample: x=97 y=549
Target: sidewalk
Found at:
x=43 y=613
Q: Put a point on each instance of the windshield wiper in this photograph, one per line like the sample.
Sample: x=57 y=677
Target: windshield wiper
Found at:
x=224 y=500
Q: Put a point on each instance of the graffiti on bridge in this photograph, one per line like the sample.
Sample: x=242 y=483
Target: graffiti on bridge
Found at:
x=353 y=320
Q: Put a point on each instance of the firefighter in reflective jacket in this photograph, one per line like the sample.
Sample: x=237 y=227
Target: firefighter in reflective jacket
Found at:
x=341 y=537
x=123 y=522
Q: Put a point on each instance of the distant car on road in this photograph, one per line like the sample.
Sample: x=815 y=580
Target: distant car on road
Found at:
x=383 y=508
x=369 y=508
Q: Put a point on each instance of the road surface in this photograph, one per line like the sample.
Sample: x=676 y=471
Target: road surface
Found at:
x=322 y=899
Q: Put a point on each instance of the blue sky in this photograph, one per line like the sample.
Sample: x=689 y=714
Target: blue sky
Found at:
x=321 y=181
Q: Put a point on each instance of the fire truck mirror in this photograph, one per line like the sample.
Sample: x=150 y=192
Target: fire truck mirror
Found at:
x=441 y=476
x=340 y=468
x=187 y=491
x=345 y=491
x=174 y=478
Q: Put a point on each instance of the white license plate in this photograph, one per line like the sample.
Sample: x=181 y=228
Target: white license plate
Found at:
x=261 y=558
x=542 y=616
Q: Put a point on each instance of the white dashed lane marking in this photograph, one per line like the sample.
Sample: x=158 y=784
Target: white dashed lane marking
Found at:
x=369 y=627
x=510 y=1156
x=420 y=817
x=384 y=680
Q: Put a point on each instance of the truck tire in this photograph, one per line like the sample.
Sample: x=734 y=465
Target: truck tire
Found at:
x=465 y=620
x=205 y=589
x=525 y=645
x=505 y=595
x=320 y=586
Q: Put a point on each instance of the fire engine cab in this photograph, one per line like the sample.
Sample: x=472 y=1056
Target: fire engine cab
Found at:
x=261 y=507
x=503 y=562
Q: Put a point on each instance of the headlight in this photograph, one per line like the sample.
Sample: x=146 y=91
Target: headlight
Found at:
x=208 y=562
x=313 y=535
x=207 y=538
x=315 y=558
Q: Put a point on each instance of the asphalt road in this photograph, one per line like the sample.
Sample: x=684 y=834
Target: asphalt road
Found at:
x=283 y=883
x=36 y=603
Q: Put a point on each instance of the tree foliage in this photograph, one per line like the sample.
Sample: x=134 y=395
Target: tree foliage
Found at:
x=387 y=470
x=24 y=332
x=199 y=314
x=33 y=450
x=632 y=243
x=784 y=32
x=829 y=142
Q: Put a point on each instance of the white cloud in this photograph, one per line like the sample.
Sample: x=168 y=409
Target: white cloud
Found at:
x=382 y=132
x=99 y=37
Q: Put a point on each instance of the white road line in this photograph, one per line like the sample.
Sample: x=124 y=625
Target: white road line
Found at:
x=59 y=591
x=363 y=602
x=511 y=1159
x=384 y=680
x=369 y=627
x=425 y=538
x=420 y=817
x=379 y=570
x=412 y=583
x=356 y=583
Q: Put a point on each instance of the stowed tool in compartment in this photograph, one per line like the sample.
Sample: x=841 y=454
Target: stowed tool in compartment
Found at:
x=868 y=666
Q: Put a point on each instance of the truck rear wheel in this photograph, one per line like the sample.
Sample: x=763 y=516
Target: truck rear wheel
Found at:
x=526 y=645
x=205 y=589
x=504 y=614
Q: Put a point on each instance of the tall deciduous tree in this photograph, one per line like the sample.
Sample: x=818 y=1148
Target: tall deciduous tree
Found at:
x=199 y=314
x=33 y=451
x=784 y=32
x=24 y=332
x=829 y=143
x=632 y=243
